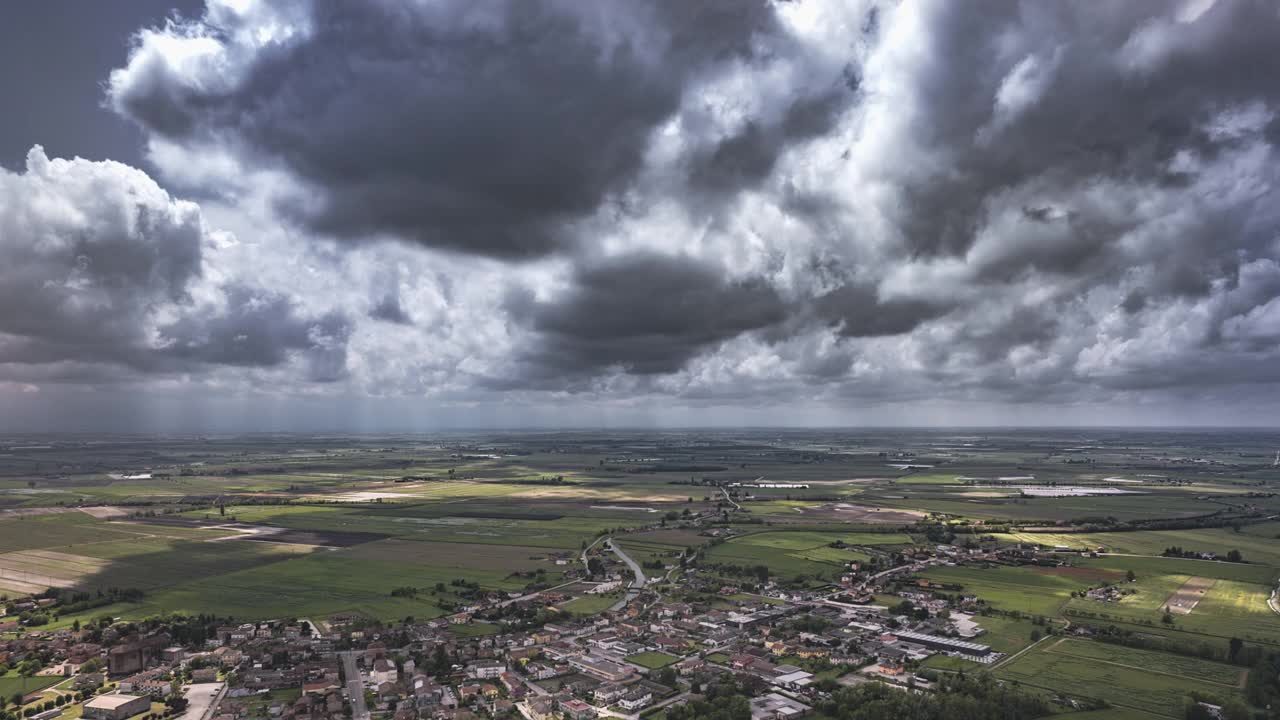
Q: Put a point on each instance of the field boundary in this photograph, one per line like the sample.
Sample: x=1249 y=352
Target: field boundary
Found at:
x=1239 y=684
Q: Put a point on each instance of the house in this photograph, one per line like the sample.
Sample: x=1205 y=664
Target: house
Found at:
x=577 y=710
x=609 y=694
x=384 y=671
x=637 y=699
x=486 y=670
x=540 y=709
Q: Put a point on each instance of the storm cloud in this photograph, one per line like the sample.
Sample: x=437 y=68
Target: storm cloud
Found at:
x=479 y=128
x=644 y=314
x=672 y=206
x=100 y=267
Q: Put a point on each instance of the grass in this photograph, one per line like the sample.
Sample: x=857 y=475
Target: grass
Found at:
x=1005 y=634
x=591 y=604
x=475 y=629
x=1010 y=588
x=1255 y=549
x=652 y=660
x=13 y=683
x=1231 y=607
x=790 y=553
x=954 y=664
x=1124 y=677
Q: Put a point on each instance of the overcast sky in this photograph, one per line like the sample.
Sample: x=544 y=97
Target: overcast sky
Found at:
x=419 y=214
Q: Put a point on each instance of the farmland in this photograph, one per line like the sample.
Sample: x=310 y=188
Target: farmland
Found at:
x=393 y=528
x=1124 y=677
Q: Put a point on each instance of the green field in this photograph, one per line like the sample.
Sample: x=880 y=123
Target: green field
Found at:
x=652 y=660
x=11 y=684
x=1011 y=588
x=1124 y=677
x=591 y=604
x=1255 y=549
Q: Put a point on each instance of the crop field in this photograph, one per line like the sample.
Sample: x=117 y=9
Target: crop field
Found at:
x=807 y=540
x=459 y=556
x=1255 y=549
x=797 y=553
x=314 y=526
x=1125 y=677
x=1228 y=608
x=1142 y=566
x=1011 y=588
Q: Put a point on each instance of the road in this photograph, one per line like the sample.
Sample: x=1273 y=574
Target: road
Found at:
x=732 y=502
x=203 y=699
x=355 y=686
x=633 y=590
x=587 y=548
x=532 y=595
x=606 y=712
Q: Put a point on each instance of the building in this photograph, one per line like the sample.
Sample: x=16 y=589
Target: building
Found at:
x=116 y=707
x=637 y=699
x=577 y=710
x=774 y=706
x=131 y=657
x=601 y=669
x=384 y=671
x=945 y=644
x=486 y=670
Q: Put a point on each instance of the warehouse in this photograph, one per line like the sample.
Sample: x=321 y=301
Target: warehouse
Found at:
x=116 y=707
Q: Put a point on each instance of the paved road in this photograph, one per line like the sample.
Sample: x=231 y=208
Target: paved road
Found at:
x=532 y=595
x=355 y=686
x=640 y=580
x=203 y=699
x=633 y=589
x=606 y=712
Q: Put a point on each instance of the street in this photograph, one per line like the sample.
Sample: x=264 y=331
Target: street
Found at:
x=355 y=686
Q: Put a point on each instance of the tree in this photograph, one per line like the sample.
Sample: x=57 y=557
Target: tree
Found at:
x=1130 y=576
x=1235 y=556
x=1234 y=648
x=1196 y=711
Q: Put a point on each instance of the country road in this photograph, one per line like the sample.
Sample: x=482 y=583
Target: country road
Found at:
x=355 y=686
x=640 y=580
x=633 y=590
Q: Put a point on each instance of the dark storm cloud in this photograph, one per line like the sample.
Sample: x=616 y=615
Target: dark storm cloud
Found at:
x=481 y=129
x=388 y=309
x=259 y=328
x=1005 y=201
x=87 y=250
x=1104 y=91
x=857 y=311
x=92 y=254
x=749 y=155
x=643 y=313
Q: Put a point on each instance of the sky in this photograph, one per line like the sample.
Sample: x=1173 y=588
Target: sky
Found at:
x=318 y=215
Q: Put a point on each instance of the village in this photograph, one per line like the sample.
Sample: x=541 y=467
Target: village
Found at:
x=784 y=650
